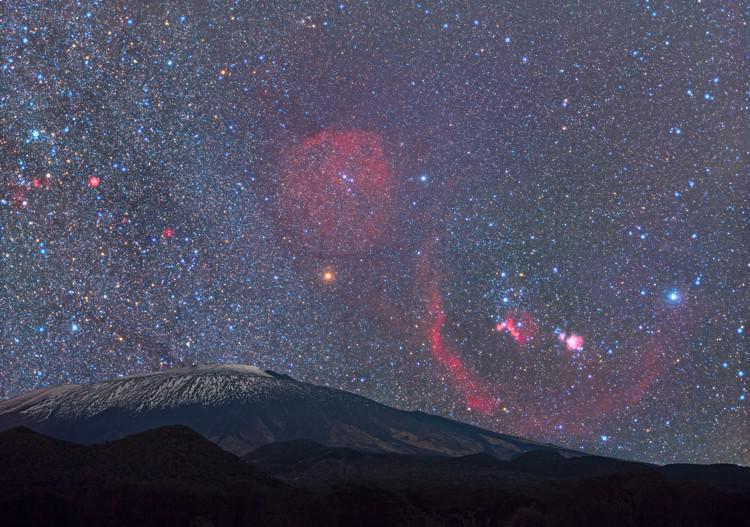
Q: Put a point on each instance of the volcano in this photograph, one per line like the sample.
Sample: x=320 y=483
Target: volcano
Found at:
x=241 y=408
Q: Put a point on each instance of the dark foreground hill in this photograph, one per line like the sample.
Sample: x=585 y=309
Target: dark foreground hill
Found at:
x=312 y=464
x=174 y=476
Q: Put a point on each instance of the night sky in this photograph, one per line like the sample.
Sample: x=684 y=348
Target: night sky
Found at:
x=533 y=219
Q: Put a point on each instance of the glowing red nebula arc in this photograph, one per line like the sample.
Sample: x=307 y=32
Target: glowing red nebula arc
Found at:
x=476 y=394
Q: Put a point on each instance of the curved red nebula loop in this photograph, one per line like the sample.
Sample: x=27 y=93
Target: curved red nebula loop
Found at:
x=477 y=397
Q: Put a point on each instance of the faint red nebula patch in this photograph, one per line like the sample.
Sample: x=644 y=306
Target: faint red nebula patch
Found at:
x=17 y=194
x=336 y=192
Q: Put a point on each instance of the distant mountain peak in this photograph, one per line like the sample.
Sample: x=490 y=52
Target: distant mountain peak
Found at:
x=242 y=407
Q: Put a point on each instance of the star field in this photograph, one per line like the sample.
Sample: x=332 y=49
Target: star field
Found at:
x=533 y=219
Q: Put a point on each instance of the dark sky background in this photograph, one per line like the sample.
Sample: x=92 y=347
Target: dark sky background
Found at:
x=531 y=218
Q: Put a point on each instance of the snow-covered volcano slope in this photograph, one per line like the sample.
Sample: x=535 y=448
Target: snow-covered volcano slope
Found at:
x=241 y=408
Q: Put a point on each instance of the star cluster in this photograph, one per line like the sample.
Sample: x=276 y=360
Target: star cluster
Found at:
x=529 y=217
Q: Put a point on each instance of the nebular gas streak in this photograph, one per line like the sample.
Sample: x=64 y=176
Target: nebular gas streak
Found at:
x=521 y=328
x=477 y=396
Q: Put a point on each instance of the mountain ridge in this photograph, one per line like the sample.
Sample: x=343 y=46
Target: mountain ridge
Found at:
x=242 y=407
x=174 y=476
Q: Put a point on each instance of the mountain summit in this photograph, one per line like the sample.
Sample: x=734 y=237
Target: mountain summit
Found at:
x=241 y=408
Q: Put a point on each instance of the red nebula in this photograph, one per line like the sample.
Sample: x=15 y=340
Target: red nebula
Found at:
x=168 y=232
x=18 y=195
x=477 y=395
x=94 y=181
x=574 y=342
x=337 y=192
x=521 y=329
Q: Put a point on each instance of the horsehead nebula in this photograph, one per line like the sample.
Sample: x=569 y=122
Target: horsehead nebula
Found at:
x=336 y=192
